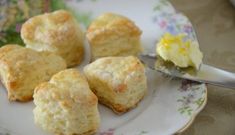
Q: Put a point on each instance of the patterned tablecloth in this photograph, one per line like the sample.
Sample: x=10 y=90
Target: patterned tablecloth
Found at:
x=214 y=22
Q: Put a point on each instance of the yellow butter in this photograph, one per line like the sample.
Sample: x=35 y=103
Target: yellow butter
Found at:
x=183 y=53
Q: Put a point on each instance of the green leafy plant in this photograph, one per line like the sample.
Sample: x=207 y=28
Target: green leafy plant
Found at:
x=12 y=37
x=11 y=34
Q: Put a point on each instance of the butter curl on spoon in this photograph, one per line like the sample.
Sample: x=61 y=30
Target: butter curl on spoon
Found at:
x=179 y=57
x=180 y=51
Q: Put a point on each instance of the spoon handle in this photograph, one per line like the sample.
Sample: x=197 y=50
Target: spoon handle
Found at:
x=212 y=75
x=206 y=74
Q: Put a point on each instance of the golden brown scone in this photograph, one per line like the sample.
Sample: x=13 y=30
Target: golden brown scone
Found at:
x=21 y=69
x=56 y=32
x=66 y=106
x=113 y=35
x=118 y=82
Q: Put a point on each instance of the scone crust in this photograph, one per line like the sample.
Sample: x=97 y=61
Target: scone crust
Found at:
x=72 y=104
x=56 y=32
x=119 y=82
x=65 y=79
x=110 y=24
x=21 y=69
x=118 y=108
x=113 y=35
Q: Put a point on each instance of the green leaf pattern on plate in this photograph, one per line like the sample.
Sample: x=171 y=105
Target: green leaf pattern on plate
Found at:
x=161 y=5
x=190 y=101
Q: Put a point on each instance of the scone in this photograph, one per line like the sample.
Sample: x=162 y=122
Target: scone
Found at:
x=113 y=35
x=21 y=69
x=56 y=32
x=118 y=82
x=66 y=106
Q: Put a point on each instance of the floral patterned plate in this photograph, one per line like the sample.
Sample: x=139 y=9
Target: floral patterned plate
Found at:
x=170 y=105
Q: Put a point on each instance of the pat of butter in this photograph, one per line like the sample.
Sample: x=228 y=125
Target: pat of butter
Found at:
x=183 y=53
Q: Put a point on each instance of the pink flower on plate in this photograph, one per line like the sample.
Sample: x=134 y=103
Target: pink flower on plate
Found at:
x=188 y=28
x=163 y=24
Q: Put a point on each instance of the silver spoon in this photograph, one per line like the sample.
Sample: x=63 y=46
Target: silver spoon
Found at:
x=206 y=73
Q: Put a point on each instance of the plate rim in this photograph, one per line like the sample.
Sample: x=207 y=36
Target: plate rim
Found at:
x=189 y=124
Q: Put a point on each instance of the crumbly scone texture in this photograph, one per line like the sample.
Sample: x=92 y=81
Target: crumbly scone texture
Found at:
x=56 y=32
x=66 y=106
x=22 y=69
x=119 y=82
x=113 y=35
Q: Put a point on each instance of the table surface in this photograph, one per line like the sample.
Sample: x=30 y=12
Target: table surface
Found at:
x=214 y=22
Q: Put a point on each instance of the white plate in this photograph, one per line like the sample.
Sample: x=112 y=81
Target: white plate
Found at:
x=169 y=106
